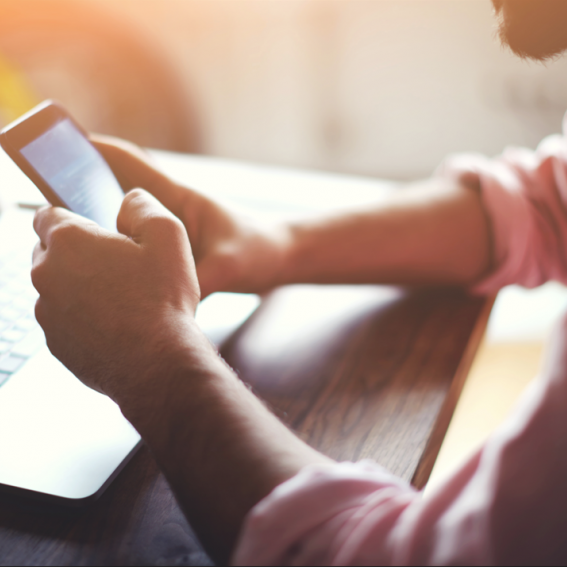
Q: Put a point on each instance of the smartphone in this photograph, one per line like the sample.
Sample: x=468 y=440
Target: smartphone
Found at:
x=55 y=153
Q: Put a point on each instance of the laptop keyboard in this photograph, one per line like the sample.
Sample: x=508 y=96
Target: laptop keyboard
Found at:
x=20 y=334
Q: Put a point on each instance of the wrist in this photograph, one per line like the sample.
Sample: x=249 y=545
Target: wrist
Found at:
x=181 y=370
x=286 y=235
x=297 y=263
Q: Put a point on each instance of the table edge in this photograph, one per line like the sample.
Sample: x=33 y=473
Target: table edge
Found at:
x=429 y=456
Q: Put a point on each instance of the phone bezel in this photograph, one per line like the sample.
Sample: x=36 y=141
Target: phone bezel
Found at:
x=27 y=129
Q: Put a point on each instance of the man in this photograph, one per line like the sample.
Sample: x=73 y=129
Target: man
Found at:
x=118 y=311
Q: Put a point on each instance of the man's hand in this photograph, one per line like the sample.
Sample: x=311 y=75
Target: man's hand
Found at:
x=116 y=306
x=117 y=310
x=430 y=232
x=232 y=252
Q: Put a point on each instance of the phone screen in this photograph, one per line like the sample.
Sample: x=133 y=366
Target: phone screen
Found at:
x=76 y=172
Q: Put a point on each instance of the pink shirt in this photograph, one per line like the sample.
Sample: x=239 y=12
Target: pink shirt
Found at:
x=508 y=503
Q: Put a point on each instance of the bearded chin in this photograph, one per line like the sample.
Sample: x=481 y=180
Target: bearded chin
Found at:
x=534 y=29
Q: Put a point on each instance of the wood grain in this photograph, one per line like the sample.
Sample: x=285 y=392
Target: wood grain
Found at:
x=359 y=372
x=427 y=460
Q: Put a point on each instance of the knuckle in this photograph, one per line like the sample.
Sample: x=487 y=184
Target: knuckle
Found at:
x=39 y=312
x=39 y=216
x=38 y=275
x=133 y=194
x=130 y=201
x=169 y=226
x=37 y=221
x=64 y=234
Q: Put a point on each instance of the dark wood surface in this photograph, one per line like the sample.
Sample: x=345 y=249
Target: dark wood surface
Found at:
x=358 y=372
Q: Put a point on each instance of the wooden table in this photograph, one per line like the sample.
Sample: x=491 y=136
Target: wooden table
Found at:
x=357 y=371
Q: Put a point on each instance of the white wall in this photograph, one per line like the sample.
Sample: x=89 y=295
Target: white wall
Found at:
x=381 y=87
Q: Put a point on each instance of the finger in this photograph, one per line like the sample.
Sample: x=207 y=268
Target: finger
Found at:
x=128 y=161
x=134 y=167
x=143 y=218
x=37 y=263
x=38 y=253
x=48 y=219
x=209 y=274
x=40 y=313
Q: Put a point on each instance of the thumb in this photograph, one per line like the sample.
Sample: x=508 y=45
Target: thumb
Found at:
x=133 y=167
x=144 y=219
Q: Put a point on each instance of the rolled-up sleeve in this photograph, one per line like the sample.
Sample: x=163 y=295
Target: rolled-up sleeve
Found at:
x=506 y=505
x=524 y=194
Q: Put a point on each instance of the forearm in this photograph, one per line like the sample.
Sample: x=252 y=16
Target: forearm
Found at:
x=431 y=232
x=221 y=450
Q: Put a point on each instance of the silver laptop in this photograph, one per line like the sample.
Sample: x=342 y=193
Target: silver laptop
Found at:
x=59 y=440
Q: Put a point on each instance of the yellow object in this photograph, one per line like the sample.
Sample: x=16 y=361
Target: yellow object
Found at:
x=498 y=377
x=16 y=95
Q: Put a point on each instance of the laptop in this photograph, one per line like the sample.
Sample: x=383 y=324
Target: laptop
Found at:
x=60 y=441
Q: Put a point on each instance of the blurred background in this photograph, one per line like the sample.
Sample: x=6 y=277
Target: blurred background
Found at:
x=374 y=87
x=383 y=88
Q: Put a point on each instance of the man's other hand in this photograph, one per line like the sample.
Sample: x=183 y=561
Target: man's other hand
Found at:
x=115 y=306
x=232 y=252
